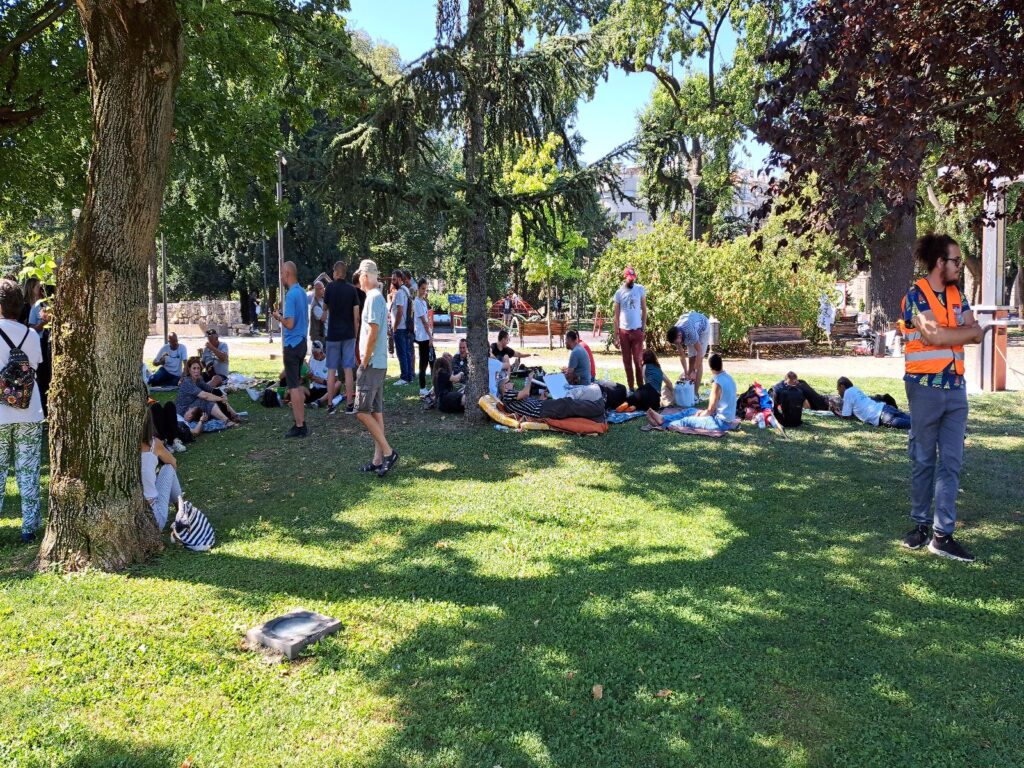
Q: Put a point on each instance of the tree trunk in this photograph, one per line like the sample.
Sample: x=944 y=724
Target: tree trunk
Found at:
x=475 y=234
x=154 y=284
x=97 y=516
x=892 y=271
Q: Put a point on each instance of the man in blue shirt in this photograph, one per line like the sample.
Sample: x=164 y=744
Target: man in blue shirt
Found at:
x=294 y=328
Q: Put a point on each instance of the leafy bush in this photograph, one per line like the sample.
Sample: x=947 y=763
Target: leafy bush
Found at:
x=780 y=284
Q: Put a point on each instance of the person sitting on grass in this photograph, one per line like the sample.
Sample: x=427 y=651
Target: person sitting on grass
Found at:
x=215 y=359
x=460 y=363
x=160 y=487
x=169 y=360
x=870 y=411
x=648 y=395
x=579 y=362
x=193 y=392
x=500 y=350
x=315 y=381
x=721 y=410
x=447 y=399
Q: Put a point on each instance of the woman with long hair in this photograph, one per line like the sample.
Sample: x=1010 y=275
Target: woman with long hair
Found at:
x=160 y=486
x=448 y=400
x=193 y=392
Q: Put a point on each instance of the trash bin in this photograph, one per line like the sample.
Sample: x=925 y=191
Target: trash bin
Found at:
x=879 y=344
x=716 y=331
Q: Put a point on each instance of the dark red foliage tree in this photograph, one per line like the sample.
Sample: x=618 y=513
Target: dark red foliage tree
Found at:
x=867 y=88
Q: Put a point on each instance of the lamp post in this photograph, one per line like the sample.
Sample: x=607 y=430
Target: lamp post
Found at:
x=266 y=293
x=694 y=177
x=282 y=161
x=163 y=273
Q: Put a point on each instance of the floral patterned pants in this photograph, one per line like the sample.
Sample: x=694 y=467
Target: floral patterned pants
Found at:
x=26 y=441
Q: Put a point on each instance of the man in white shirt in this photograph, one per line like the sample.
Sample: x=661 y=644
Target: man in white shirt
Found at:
x=21 y=429
x=872 y=412
x=171 y=360
x=629 y=319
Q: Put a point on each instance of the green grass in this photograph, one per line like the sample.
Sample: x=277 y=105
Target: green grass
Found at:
x=495 y=578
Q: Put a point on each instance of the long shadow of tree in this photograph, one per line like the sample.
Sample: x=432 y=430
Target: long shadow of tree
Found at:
x=800 y=635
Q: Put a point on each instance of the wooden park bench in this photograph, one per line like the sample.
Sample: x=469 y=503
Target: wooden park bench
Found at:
x=844 y=331
x=774 y=336
x=540 y=328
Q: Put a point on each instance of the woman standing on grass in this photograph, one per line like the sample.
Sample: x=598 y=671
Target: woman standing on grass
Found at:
x=424 y=333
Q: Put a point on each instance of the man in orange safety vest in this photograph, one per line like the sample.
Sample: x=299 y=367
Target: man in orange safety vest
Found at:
x=937 y=322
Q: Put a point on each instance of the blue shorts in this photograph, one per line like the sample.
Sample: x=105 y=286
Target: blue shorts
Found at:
x=341 y=354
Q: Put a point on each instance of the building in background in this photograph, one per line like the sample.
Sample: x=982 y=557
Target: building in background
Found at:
x=751 y=192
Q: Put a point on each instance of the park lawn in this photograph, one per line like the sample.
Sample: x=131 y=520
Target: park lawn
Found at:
x=741 y=602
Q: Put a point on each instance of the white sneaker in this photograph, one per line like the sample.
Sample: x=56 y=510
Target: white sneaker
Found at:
x=401 y=383
x=179 y=447
x=424 y=392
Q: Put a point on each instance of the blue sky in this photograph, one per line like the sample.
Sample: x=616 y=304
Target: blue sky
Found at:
x=606 y=121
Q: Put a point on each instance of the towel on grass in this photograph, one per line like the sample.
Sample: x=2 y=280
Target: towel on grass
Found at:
x=615 y=417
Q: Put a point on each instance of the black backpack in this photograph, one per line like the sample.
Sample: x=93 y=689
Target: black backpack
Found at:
x=18 y=377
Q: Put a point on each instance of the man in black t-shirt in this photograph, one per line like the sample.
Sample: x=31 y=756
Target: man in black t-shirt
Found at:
x=500 y=350
x=343 y=311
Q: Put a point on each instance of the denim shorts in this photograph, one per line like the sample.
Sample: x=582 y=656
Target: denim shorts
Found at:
x=341 y=355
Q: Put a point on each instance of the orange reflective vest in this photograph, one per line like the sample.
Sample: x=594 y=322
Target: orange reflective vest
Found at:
x=924 y=358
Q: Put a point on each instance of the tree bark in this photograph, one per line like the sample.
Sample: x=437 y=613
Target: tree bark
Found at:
x=892 y=270
x=475 y=234
x=97 y=516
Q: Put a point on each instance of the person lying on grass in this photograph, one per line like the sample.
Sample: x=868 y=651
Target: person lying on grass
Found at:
x=721 y=408
x=521 y=402
x=872 y=412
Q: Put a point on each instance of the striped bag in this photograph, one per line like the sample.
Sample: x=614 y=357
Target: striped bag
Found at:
x=190 y=528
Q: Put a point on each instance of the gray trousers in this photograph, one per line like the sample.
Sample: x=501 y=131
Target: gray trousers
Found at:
x=936 y=448
x=167 y=492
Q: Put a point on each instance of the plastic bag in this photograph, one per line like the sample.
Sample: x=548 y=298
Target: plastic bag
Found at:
x=685 y=395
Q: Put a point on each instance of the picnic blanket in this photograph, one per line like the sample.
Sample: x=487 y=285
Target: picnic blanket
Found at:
x=614 y=417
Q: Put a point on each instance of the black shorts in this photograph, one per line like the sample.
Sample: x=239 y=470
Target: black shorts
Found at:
x=294 y=357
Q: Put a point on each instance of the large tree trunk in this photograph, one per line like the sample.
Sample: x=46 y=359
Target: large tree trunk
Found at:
x=97 y=516
x=892 y=270
x=475 y=235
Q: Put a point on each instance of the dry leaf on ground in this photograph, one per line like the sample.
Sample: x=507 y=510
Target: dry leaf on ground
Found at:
x=598 y=691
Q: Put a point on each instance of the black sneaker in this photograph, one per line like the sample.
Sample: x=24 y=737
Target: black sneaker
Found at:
x=945 y=546
x=331 y=409
x=297 y=431
x=917 y=538
x=28 y=538
x=350 y=410
x=387 y=464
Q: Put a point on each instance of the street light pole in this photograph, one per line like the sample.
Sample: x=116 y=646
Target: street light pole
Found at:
x=282 y=161
x=266 y=292
x=163 y=271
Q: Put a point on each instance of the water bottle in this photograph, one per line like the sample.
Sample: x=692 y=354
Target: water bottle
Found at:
x=502 y=428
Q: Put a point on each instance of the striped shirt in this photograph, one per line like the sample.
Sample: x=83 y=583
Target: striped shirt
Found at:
x=529 y=406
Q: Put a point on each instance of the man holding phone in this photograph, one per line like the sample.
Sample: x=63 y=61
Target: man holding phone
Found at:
x=171 y=361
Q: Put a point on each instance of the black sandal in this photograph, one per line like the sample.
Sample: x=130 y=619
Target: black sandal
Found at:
x=369 y=467
x=387 y=464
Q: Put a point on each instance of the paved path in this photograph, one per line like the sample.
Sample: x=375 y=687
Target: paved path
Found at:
x=828 y=366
